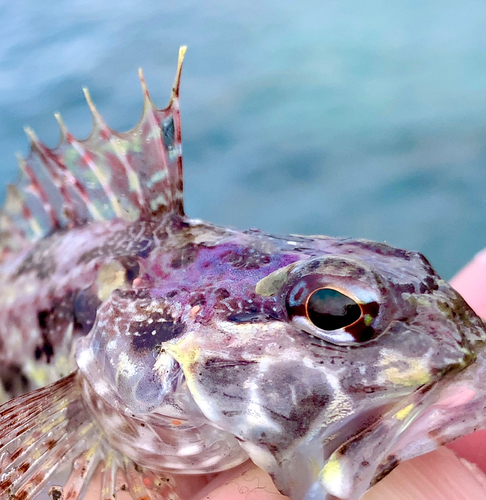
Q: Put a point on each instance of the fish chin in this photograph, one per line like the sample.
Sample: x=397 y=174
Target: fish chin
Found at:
x=430 y=417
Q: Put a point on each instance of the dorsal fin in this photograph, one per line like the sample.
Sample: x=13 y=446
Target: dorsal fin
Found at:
x=130 y=175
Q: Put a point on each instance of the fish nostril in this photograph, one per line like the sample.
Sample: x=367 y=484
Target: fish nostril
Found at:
x=132 y=268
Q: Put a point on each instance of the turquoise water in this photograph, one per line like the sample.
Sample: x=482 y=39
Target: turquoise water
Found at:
x=363 y=119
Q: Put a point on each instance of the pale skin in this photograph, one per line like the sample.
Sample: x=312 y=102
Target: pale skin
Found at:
x=456 y=472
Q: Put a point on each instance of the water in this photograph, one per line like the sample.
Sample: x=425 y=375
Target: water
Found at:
x=363 y=119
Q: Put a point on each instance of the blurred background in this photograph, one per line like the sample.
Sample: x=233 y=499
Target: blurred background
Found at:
x=346 y=118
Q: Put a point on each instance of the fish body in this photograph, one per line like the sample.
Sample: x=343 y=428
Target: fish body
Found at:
x=176 y=346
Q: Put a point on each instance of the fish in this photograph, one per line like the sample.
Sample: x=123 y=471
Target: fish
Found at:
x=140 y=346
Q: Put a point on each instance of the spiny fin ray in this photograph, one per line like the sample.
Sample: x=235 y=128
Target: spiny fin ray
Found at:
x=130 y=175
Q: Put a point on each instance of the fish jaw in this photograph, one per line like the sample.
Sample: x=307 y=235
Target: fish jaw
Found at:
x=430 y=418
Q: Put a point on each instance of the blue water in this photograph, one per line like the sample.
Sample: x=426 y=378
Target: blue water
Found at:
x=364 y=119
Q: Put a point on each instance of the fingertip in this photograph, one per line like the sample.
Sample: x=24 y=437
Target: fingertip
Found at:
x=472 y=448
x=470 y=282
x=246 y=482
x=439 y=475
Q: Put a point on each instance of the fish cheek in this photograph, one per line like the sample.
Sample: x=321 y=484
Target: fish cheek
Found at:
x=272 y=405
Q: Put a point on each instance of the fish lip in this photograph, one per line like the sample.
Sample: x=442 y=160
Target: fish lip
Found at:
x=452 y=407
x=430 y=416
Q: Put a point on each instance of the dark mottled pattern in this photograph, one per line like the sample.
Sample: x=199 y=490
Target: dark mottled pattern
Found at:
x=142 y=296
x=185 y=256
x=85 y=307
x=147 y=335
x=168 y=132
x=53 y=323
x=137 y=239
x=55 y=493
x=245 y=258
x=227 y=375
x=374 y=247
x=132 y=267
x=385 y=469
x=310 y=400
x=14 y=380
x=40 y=259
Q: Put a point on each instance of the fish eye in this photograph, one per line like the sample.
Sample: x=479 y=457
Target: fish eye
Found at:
x=329 y=309
x=337 y=313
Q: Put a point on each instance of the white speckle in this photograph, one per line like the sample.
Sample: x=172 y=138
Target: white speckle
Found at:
x=307 y=362
x=84 y=358
x=101 y=388
x=193 y=449
x=126 y=366
x=209 y=462
x=260 y=456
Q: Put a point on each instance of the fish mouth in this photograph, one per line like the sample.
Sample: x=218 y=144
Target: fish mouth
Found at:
x=430 y=417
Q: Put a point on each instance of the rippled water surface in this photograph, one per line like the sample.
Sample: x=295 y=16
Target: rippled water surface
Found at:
x=363 y=119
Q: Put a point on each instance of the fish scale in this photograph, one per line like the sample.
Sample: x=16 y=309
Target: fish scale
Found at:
x=156 y=346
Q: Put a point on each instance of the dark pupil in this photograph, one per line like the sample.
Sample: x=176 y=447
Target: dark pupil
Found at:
x=330 y=310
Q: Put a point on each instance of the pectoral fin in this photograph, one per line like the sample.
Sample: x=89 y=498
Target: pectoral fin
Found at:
x=50 y=447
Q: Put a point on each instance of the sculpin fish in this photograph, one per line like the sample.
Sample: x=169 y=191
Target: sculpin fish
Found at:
x=138 y=343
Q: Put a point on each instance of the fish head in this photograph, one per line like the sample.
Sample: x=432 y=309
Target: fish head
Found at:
x=343 y=351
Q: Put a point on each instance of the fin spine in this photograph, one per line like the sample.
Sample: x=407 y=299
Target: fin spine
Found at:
x=131 y=175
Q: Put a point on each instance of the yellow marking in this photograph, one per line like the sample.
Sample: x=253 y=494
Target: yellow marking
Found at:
x=414 y=375
x=402 y=371
x=332 y=472
x=64 y=364
x=38 y=374
x=133 y=181
x=91 y=452
x=51 y=425
x=404 y=412
x=271 y=284
x=85 y=430
x=185 y=355
x=368 y=319
x=109 y=460
x=177 y=81
x=111 y=275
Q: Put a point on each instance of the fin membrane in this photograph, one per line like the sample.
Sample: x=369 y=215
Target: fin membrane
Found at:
x=50 y=448
x=131 y=175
